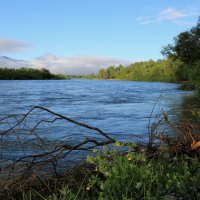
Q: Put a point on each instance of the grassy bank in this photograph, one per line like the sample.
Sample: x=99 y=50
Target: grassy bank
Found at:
x=166 y=168
x=140 y=173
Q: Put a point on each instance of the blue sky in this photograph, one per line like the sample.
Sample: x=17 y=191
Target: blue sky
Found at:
x=76 y=36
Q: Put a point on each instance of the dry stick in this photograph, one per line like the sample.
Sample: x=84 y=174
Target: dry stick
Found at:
x=58 y=151
x=65 y=147
x=174 y=127
x=44 y=121
x=149 y=126
x=63 y=117
x=19 y=122
x=76 y=122
x=9 y=116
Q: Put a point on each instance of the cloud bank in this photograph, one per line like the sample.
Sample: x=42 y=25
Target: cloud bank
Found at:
x=74 y=65
x=12 y=46
x=171 y=14
x=12 y=63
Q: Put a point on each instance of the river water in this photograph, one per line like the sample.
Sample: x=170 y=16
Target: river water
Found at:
x=119 y=108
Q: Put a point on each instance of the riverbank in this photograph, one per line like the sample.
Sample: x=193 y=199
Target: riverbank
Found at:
x=48 y=157
x=141 y=173
x=167 y=167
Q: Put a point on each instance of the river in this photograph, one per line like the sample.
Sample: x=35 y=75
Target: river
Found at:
x=119 y=108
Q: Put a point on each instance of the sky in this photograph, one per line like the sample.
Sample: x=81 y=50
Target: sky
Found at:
x=82 y=36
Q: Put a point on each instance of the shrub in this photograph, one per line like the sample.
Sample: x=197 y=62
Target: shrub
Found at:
x=134 y=176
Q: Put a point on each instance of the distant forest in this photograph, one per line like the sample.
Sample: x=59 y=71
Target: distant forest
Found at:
x=182 y=63
x=27 y=74
x=161 y=70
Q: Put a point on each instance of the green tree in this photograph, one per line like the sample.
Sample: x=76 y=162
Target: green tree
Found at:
x=186 y=46
x=26 y=73
x=102 y=74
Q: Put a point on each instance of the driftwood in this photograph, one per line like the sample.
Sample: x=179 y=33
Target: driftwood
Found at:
x=48 y=159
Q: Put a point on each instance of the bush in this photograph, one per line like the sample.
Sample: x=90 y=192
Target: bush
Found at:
x=134 y=176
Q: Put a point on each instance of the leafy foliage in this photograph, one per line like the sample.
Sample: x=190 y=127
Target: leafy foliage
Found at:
x=161 y=70
x=126 y=171
x=186 y=46
x=134 y=176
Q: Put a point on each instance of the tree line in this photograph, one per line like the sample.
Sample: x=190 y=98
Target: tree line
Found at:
x=27 y=74
x=161 y=70
x=182 y=63
x=186 y=49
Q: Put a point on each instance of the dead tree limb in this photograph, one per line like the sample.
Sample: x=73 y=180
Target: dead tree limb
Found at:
x=38 y=162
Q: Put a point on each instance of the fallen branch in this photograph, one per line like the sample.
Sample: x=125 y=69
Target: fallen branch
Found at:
x=47 y=158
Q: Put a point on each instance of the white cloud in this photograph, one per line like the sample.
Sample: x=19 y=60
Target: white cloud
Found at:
x=75 y=65
x=171 y=14
x=12 y=63
x=12 y=46
x=179 y=17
